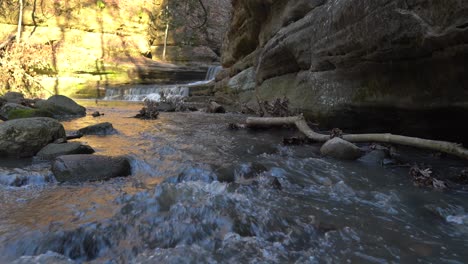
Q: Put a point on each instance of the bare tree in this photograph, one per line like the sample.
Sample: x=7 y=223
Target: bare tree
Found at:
x=20 y=21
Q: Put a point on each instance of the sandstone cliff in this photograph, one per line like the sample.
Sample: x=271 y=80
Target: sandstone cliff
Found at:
x=96 y=43
x=350 y=62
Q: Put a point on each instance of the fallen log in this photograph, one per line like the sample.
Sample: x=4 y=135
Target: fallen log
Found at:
x=299 y=121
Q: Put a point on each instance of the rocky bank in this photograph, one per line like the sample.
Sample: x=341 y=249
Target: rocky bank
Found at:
x=371 y=64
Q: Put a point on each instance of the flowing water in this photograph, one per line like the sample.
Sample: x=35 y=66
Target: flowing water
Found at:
x=302 y=208
x=140 y=92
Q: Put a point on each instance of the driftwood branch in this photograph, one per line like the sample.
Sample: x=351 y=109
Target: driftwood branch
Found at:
x=299 y=121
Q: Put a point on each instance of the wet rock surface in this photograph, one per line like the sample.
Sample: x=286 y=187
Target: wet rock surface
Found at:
x=340 y=149
x=82 y=168
x=104 y=128
x=52 y=151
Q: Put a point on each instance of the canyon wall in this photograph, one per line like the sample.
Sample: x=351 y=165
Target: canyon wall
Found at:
x=350 y=63
x=95 y=43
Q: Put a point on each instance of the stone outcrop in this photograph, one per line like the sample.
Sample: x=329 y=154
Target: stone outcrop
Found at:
x=25 y=137
x=350 y=62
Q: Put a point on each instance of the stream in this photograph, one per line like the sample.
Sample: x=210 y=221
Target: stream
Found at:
x=302 y=207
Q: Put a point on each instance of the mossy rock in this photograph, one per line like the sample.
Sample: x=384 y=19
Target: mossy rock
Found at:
x=26 y=113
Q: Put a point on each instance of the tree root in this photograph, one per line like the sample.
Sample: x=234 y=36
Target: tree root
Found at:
x=299 y=121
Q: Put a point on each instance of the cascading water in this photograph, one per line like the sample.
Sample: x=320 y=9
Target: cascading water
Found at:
x=140 y=92
x=212 y=72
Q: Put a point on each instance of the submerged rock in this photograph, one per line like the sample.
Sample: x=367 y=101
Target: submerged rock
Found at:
x=82 y=168
x=375 y=157
x=53 y=150
x=340 y=149
x=61 y=105
x=105 y=128
x=25 y=137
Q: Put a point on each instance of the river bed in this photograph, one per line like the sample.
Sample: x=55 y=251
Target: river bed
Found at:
x=302 y=208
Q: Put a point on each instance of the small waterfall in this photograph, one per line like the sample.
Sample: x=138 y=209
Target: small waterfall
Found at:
x=212 y=72
x=140 y=92
x=156 y=92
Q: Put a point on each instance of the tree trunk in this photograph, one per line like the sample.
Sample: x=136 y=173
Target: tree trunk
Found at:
x=300 y=123
x=165 y=41
x=20 y=22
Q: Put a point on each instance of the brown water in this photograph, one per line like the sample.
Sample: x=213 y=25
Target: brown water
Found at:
x=172 y=209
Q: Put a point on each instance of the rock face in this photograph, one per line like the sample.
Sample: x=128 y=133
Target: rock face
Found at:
x=81 y=168
x=338 y=61
x=25 y=137
x=340 y=149
x=191 y=38
x=61 y=105
x=112 y=40
x=52 y=151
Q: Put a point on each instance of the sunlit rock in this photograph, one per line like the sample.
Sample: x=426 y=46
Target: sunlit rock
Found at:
x=53 y=150
x=61 y=105
x=105 y=128
x=25 y=137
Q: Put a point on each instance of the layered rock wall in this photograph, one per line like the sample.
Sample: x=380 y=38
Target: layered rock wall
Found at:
x=345 y=62
x=95 y=43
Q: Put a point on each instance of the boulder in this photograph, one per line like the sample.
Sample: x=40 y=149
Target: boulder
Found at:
x=13 y=97
x=14 y=111
x=54 y=150
x=61 y=105
x=81 y=168
x=9 y=107
x=105 y=128
x=340 y=149
x=25 y=137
